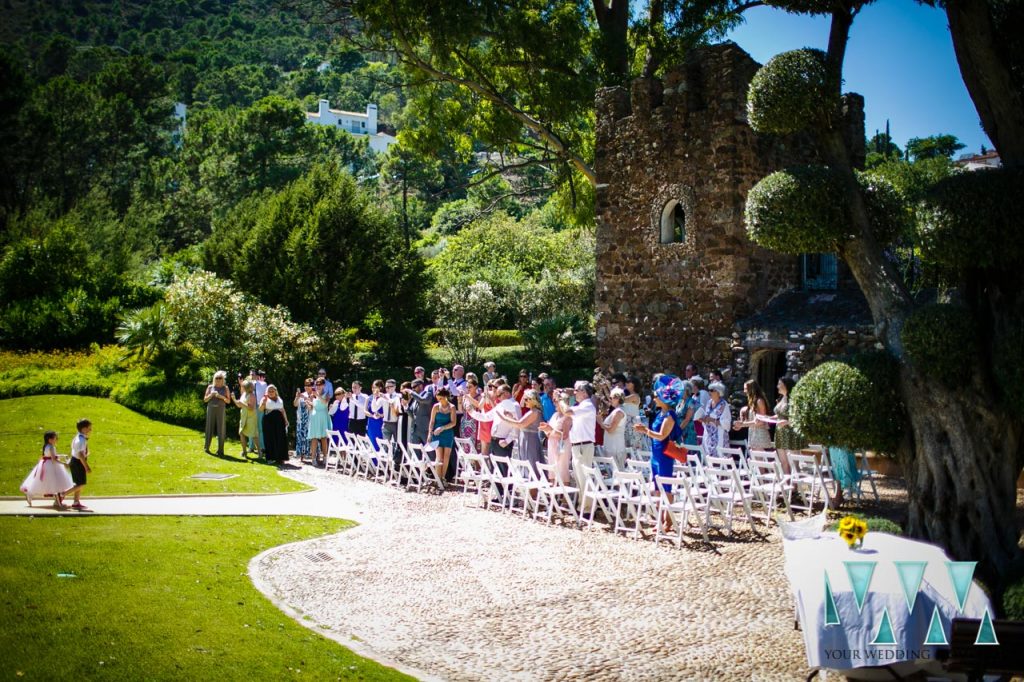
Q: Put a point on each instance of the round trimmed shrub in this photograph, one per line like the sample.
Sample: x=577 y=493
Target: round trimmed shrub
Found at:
x=889 y=215
x=792 y=92
x=852 y=404
x=970 y=220
x=940 y=341
x=797 y=210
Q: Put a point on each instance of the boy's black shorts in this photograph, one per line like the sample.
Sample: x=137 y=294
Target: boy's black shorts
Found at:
x=77 y=471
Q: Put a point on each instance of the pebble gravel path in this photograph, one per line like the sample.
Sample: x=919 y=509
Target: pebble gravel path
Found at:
x=448 y=591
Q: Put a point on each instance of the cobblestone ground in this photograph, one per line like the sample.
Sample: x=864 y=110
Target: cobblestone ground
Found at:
x=455 y=592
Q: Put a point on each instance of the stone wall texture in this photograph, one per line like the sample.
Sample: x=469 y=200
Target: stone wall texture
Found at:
x=685 y=138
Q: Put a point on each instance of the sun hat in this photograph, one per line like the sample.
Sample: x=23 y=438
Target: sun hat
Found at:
x=718 y=387
x=669 y=389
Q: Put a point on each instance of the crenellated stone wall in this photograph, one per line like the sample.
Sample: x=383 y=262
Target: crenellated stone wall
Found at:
x=685 y=139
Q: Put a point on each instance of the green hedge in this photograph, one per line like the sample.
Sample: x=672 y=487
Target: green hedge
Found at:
x=181 y=405
x=492 y=338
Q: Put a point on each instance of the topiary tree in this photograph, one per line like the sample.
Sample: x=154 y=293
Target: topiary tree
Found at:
x=963 y=447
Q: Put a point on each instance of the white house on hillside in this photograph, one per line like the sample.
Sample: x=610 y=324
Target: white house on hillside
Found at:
x=985 y=160
x=354 y=123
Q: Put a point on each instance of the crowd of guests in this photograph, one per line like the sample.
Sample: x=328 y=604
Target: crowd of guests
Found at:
x=548 y=424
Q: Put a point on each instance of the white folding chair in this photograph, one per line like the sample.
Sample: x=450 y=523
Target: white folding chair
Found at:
x=695 y=450
x=768 y=486
x=409 y=469
x=641 y=455
x=385 y=472
x=866 y=474
x=680 y=509
x=462 y=446
x=335 y=451
x=635 y=497
x=825 y=466
x=597 y=493
x=524 y=487
x=501 y=483
x=808 y=481
x=475 y=475
x=607 y=466
x=697 y=504
x=725 y=491
x=642 y=467
x=555 y=497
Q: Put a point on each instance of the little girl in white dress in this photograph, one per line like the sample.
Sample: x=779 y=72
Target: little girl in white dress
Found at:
x=48 y=476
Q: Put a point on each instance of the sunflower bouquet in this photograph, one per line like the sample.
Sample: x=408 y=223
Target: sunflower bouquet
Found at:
x=853 y=530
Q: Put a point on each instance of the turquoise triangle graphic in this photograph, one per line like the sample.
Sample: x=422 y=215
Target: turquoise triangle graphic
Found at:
x=986 y=633
x=831 y=612
x=936 y=634
x=860 y=573
x=961 y=573
x=911 y=574
x=885 y=635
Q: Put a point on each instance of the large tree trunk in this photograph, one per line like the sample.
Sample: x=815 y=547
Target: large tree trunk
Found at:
x=962 y=456
x=613 y=21
x=988 y=75
x=961 y=474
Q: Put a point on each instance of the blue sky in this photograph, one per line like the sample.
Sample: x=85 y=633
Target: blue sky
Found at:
x=900 y=57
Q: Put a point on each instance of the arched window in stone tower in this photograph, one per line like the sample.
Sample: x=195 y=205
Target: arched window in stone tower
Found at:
x=673 y=223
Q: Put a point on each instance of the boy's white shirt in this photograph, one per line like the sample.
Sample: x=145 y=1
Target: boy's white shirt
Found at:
x=80 y=447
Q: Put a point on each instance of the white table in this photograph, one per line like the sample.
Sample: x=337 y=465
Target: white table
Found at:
x=848 y=645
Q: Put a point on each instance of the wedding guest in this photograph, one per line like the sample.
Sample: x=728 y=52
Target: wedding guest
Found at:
x=275 y=426
x=582 y=429
x=632 y=409
x=247 y=430
x=490 y=372
x=420 y=403
x=787 y=439
x=559 y=454
x=260 y=388
x=357 y=404
x=469 y=427
x=442 y=430
x=668 y=391
x=502 y=433
x=302 y=419
x=717 y=420
x=520 y=388
x=217 y=396
x=79 y=463
x=404 y=416
x=328 y=386
x=419 y=373
x=527 y=425
x=758 y=436
x=614 y=425
x=339 y=415
x=392 y=407
x=375 y=412
x=686 y=411
x=319 y=420
x=547 y=397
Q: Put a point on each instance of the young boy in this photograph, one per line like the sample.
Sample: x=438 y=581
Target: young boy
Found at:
x=80 y=462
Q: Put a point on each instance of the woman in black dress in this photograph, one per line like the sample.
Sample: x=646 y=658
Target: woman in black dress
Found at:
x=275 y=426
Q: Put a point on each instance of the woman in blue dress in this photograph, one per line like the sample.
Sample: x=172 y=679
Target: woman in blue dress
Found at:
x=664 y=428
x=686 y=411
x=442 y=430
x=302 y=420
x=375 y=414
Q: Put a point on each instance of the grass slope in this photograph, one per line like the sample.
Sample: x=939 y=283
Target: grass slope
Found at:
x=156 y=598
x=129 y=453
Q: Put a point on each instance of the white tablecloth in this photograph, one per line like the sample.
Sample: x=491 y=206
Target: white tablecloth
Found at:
x=847 y=645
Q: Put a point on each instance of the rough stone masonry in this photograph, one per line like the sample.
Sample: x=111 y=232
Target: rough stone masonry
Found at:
x=675 y=158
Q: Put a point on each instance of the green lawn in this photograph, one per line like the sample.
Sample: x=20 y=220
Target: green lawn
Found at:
x=130 y=454
x=156 y=598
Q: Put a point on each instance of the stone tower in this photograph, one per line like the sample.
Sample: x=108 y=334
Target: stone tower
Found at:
x=675 y=158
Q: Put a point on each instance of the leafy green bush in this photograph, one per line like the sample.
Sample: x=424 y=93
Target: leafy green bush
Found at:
x=1013 y=601
x=560 y=341
x=876 y=524
x=797 y=210
x=853 y=404
x=176 y=404
x=971 y=220
x=940 y=340
x=792 y=92
x=474 y=306
x=501 y=338
x=888 y=212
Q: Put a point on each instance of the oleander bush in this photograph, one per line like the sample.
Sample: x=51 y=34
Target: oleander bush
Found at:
x=560 y=341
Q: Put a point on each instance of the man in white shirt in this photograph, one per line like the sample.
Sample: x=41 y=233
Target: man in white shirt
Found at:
x=328 y=386
x=582 y=430
x=502 y=433
x=389 y=429
x=356 y=403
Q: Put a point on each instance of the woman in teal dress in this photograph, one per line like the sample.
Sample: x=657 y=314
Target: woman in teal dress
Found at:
x=845 y=471
x=442 y=430
x=685 y=412
x=319 y=421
